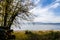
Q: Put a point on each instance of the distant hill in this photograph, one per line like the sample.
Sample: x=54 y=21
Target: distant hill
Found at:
x=39 y=23
x=45 y=23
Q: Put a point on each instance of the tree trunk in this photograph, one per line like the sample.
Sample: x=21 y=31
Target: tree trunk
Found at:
x=6 y=34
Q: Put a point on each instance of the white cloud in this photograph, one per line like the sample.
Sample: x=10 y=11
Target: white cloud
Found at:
x=36 y=1
x=46 y=15
x=55 y=5
x=57 y=0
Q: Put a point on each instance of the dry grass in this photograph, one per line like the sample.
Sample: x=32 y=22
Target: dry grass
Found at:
x=38 y=35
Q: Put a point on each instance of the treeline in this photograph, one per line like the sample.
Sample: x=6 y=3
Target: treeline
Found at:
x=40 y=35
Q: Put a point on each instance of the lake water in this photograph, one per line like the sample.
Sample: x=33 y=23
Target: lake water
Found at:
x=38 y=27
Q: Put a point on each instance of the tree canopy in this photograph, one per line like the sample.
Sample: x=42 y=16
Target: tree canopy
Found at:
x=10 y=9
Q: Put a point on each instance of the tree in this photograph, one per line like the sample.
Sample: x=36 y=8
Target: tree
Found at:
x=10 y=9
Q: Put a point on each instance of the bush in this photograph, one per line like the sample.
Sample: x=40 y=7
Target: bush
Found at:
x=48 y=35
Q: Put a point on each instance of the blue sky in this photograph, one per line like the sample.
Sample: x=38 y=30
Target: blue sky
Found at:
x=47 y=11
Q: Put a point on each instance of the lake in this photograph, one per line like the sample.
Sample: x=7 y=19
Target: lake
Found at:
x=40 y=26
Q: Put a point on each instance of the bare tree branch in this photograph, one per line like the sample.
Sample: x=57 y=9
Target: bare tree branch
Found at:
x=12 y=9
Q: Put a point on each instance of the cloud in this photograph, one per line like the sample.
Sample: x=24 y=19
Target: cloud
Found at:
x=36 y=1
x=55 y=5
x=57 y=0
x=45 y=14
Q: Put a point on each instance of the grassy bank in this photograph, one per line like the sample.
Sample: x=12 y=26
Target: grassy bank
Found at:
x=37 y=35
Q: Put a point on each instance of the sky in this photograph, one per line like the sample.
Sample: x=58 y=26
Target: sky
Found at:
x=47 y=11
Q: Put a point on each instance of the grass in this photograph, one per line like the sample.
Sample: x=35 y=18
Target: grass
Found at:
x=20 y=35
x=37 y=35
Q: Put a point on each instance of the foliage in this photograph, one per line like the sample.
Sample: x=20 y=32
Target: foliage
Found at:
x=10 y=10
x=33 y=35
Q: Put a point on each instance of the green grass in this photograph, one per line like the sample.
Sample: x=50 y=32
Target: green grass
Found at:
x=37 y=35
